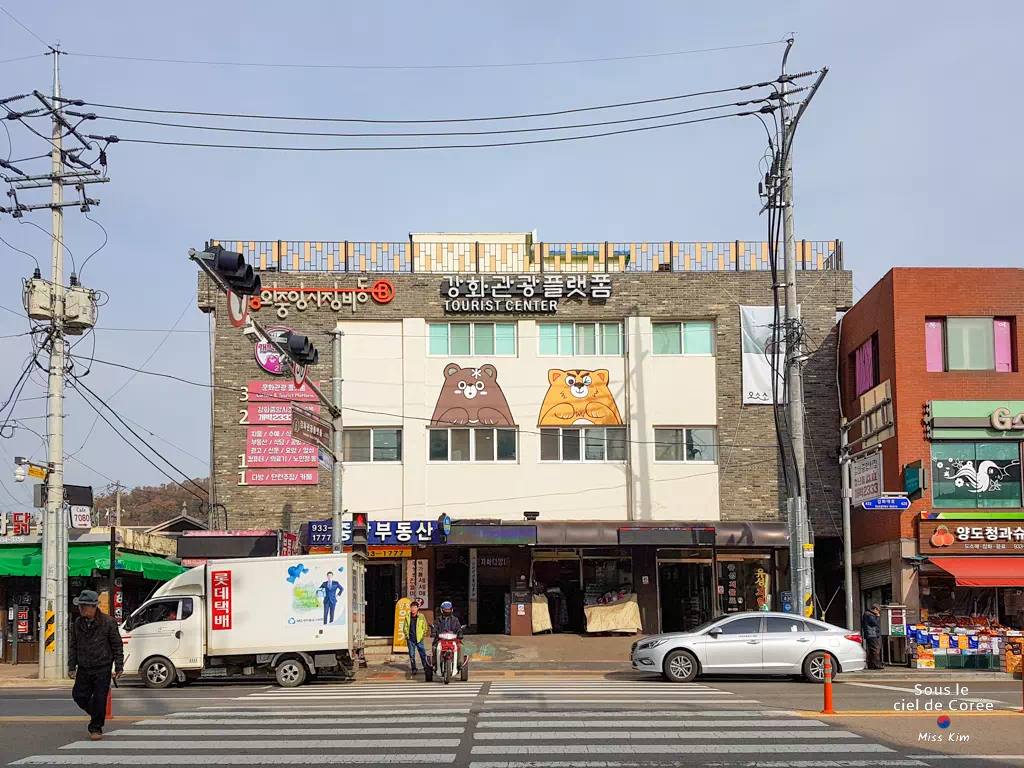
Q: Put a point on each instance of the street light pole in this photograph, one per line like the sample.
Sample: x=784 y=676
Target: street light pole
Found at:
x=337 y=480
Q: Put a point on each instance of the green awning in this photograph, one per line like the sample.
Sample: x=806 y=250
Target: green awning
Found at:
x=83 y=559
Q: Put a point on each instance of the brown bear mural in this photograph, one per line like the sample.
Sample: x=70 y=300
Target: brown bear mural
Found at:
x=471 y=396
x=578 y=397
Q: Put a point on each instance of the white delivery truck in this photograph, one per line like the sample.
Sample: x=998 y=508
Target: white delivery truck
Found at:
x=294 y=616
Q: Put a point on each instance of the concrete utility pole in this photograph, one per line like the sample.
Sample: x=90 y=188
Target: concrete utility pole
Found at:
x=337 y=480
x=802 y=571
x=114 y=525
x=55 y=531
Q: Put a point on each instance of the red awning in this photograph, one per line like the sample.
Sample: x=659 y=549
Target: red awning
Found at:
x=984 y=571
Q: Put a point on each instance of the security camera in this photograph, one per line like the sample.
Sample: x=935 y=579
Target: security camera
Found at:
x=19 y=474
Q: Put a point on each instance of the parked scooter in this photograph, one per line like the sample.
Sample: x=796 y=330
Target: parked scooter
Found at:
x=448 y=659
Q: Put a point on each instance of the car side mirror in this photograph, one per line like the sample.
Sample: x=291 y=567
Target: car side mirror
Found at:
x=715 y=632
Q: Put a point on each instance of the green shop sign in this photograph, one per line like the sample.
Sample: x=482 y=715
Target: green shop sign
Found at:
x=975 y=419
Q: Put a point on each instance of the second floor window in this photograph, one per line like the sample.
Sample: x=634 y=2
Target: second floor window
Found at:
x=969 y=344
x=372 y=444
x=490 y=339
x=580 y=339
x=479 y=444
x=696 y=337
x=686 y=444
x=587 y=444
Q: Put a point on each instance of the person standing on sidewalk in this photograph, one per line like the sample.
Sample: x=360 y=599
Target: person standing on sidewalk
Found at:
x=95 y=645
x=414 y=629
x=871 y=628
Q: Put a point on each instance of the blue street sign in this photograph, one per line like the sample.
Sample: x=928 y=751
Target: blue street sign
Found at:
x=888 y=502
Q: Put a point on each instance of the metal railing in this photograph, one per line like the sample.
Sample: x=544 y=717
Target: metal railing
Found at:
x=520 y=258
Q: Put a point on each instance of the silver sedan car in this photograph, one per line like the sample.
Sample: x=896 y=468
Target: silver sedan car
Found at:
x=752 y=643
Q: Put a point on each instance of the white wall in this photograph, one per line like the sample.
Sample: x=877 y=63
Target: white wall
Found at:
x=390 y=380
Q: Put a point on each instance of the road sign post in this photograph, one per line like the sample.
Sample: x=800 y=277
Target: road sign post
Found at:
x=887 y=502
x=309 y=428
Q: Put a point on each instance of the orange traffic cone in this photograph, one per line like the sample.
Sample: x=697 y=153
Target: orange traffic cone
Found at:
x=110 y=700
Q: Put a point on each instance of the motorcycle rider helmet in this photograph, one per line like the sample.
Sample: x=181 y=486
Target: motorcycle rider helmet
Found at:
x=446 y=608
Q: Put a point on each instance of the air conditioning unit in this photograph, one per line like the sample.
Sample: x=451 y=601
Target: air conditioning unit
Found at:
x=79 y=309
x=38 y=299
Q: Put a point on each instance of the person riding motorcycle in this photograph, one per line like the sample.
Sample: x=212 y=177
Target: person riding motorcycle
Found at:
x=446 y=622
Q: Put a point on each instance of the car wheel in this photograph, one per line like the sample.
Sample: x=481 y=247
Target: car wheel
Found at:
x=814 y=667
x=290 y=673
x=158 y=673
x=680 y=667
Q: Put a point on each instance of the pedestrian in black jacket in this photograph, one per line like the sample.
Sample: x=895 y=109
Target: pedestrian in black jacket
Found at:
x=95 y=646
x=871 y=628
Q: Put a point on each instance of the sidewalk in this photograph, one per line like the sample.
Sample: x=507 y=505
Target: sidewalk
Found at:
x=25 y=676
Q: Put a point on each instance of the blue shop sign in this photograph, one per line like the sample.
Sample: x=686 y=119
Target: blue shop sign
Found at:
x=380 y=532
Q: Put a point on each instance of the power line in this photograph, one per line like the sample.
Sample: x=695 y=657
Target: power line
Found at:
x=478 y=119
x=399 y=416
x=484 y=65
x=37 y=37
x=76 y=383
x=488 y=145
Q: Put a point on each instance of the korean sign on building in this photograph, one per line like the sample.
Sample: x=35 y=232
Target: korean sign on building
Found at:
x=279 y=476
x=381 y=533
x=302 y=298
x=521 y=293
x=220 y=608
x=962 y=537
x=271 y=413
x=866 y=478
x=15 y=523
x=278 y=391
x=274 y=446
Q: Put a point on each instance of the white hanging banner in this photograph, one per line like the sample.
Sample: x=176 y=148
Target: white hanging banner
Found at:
x=756 y=329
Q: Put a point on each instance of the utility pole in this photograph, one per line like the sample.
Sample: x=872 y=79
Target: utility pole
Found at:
x=114 y=525
x=802 y=570
x=337 y=486
x=56 y=530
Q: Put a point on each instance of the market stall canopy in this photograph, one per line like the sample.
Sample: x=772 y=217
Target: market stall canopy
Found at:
x=984 y=571
x=84 y=559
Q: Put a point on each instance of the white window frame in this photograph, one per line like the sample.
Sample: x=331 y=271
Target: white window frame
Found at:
x=371 y=430
x=472 y=445
x=583 y=446
x=682 y=339
x=598 y=339
x=685 y=429
x=472 y=338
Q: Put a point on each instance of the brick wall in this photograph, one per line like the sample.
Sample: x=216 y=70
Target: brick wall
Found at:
x=750 y=479
x=896 y=307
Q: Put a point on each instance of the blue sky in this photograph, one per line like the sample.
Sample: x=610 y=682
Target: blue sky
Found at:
x=909 y=153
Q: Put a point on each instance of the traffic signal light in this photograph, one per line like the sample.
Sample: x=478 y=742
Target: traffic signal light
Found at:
x=360 y=532
x=302 y=351
x=231 y=267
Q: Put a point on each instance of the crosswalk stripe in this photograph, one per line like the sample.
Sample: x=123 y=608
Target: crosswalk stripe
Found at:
x=274 y=709
x=647 y=714
x=389 y=689
x=404 y=731
x=360 y=697
x=175 y=759
x=648 y=723
x=689 y=764
x=596 y=736
x=607 y=701
x=269 y=744
x=669 y=749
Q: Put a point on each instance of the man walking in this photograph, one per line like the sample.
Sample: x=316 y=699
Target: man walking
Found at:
x=414 y=629
x=95 y=645
x=332 y=591
x=870 y=627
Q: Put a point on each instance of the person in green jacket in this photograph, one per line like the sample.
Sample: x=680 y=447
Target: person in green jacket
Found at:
x=414 y=628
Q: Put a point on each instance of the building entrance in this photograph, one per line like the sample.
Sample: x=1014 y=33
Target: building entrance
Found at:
x=686 y=594
x=381 y=596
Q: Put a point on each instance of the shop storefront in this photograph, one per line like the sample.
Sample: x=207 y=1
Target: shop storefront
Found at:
x=137 y=575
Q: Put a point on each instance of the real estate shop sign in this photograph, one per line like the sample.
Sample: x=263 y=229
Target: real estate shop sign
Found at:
x=388 y=533
x=526 y=294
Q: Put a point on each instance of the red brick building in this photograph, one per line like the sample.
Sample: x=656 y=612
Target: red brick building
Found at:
x=945 y=345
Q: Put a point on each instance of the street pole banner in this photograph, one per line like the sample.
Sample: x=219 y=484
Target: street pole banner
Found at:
x=756 y=329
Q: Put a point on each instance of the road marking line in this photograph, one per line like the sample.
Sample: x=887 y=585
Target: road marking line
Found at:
x=177 y=759
x=688 y=764
x=244 y=710
x=967 y=757
x=598 y=736
x=646 y=714
x=406 y=731
x=51 y=718
x=649 y=723
x=664 y=749
x=702 y=702
x=891 y=713
x=292 y=721
x=268 y=745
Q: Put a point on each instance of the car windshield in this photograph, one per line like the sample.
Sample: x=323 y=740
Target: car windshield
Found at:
x=705 y=626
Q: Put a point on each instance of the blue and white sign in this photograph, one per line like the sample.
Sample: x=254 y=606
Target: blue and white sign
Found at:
x=380 y=532
x=887 y=502
x=787 y=602
x=446 y=524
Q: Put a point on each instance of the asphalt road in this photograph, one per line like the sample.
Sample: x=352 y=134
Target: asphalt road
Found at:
x=584 y=722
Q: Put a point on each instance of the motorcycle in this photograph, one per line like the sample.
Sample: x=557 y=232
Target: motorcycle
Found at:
x=447 y=659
